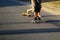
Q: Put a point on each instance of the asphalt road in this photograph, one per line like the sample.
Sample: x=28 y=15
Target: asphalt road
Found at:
x=14 y=26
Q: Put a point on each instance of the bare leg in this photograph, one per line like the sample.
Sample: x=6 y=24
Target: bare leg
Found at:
x=37 y=14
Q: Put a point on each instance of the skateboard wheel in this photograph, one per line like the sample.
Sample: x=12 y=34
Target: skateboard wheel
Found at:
x=24 y=15
x=29 y=15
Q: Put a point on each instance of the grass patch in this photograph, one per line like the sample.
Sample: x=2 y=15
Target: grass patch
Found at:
x=55 y=3
x=52 y=5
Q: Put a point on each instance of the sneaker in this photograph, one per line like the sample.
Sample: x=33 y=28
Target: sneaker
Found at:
x=35 y=20
x=39 y=18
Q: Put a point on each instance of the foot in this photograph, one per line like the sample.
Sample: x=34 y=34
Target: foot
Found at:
x=39 y=18
x=36 y=20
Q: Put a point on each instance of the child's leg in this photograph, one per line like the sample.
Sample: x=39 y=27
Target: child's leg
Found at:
x=37 y=13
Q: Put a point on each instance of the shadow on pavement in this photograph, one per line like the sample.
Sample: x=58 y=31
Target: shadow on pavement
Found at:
x=29 y=31
x=25 y=22
x=52 y=21
x=4 y=3
x=55 y=22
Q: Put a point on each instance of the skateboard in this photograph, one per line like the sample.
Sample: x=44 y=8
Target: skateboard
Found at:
x=25 y=14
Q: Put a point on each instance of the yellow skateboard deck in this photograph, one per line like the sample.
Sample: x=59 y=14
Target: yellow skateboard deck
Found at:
x=25 y=14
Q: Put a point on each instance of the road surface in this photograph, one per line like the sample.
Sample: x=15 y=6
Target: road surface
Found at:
x=14 y=26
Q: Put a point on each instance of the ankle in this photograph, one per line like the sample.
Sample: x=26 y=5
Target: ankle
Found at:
x=35 y=18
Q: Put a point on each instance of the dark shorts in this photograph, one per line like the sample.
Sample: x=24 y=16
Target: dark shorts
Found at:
x=37 y=8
